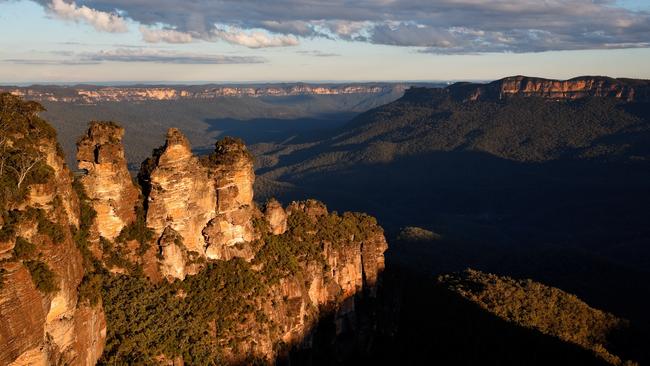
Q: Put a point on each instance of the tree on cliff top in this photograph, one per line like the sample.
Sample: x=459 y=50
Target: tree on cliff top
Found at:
x=21 y=162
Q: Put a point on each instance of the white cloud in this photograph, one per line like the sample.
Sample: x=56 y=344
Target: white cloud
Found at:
x=164 y=35
x=164 y=56
x=254 y=38
x=439 y=26
x=102 y=21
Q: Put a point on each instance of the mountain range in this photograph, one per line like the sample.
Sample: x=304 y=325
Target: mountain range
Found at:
x=505 y=223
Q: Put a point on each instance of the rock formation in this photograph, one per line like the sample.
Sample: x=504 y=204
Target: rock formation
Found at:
x=107 y=180
x=627 y=90
x=208 y=203
x=42 y=320
x=307 y=262
x=276 y=217
x=178 y=193
x=231 y=168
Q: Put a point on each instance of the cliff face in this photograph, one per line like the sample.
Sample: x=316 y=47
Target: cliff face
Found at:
x=306 y=284
x=180 y=196
x=208 y=204
x=521 y=86
x=231 y=168
x=107 y=181
x=92 y=95
x=42 y=320
x=280 y=271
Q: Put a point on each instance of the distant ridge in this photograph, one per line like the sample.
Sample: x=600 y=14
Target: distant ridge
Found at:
x=630 y=90
x=91 y=94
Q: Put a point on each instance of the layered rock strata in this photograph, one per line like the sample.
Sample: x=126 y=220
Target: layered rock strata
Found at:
x=107 y=180
x=198 y=210
x=231 y=168
x=179 y=193
x=627 y=90
x=42 y=320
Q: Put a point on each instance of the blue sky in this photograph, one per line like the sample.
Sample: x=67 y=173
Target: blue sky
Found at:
x=252 y=40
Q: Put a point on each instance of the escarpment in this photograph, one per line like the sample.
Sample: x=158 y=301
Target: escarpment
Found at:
x=42 y=320
x=626 y=90
x=76 y=253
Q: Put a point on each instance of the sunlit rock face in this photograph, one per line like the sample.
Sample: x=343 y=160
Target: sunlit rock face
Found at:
x=296 y=303
x=208 y=202
x=276 y=217
x=107 y=181
x=231 y=169
x=197 y=209
x=39 y=327
x=580 y=87
x=180 y=193
x=173 y=254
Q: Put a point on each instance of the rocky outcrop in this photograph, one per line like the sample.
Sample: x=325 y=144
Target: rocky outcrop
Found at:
x=231 y=168
x=208 y=202
x=179 y=193
x=107 y=180
x=96 y=94
x=627 y=90
x=42 y=320
x=318 y=296
x=173 y=254
x=299 y=265
x=276 y=217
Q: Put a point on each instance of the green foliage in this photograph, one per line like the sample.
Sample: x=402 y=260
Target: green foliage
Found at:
x=2 y=275
x=45 y=226
x=23 y=248
x=51 y=229
x=229 y=150
x=44 y=279
x=137 y=230
x=199 y=317
x=412 y=234
x=534 y=305
x=90 y=288
x=21 y=163
x=114 y=255
x=87 y=217
x=10 y=218
x=146 y=320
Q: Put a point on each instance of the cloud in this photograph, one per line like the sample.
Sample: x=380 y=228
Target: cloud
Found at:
x=141 y=55
x=151 y=35
x=102 y=21
x=25 y=61
x=317 y=53
x=254 y=38
x=167 y=57
x=439 y=26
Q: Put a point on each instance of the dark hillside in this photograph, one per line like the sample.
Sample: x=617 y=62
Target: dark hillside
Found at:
x=525 y=185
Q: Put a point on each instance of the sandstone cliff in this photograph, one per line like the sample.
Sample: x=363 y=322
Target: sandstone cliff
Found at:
x=231 y=168
x=627 y=90
x=107 y=180
x=254 y=283
x=42 y=320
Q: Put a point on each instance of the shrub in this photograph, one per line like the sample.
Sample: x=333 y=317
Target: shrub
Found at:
x=42 y=276
x=2 y=275
x=23 y=248
x=90 y=288
x=137 y=230
x=51 y=229
x=87 y=217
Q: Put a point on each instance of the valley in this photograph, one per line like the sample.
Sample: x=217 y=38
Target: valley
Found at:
x=490 y=199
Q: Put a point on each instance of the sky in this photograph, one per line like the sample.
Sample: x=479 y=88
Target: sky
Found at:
x=182 y=41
